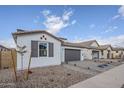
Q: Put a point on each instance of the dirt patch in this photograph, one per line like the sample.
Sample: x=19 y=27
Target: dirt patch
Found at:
x=46 y=77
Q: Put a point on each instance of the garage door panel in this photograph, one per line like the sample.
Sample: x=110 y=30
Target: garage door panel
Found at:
x=72 y=55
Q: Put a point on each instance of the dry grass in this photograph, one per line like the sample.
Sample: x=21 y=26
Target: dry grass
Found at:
x=46 y=77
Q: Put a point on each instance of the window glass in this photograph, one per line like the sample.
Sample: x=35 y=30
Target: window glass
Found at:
x=42 y=49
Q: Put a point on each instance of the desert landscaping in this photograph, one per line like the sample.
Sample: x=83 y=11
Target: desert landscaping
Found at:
x=61 y=76
x=54 y=76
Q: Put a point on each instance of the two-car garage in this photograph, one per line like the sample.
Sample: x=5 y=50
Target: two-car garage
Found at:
x=72 y=55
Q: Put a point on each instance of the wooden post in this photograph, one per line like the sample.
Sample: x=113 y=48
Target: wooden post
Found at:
x=28 y=68
x=14 y=68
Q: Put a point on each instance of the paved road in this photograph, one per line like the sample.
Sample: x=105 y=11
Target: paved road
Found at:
x=113 y=78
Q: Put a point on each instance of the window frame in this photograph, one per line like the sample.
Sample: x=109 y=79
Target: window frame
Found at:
x=41 y=42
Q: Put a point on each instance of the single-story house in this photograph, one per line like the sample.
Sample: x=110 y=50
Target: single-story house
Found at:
x=46 y=49
x=91 y=50
x=117 y=53
x=86 y=50
x=106 y=51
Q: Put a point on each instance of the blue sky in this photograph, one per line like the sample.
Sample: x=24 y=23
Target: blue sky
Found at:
x=76 y=23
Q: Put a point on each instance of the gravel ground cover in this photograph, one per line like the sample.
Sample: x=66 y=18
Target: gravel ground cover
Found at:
x=83 y=70
x=94 y=65
x=45 y=77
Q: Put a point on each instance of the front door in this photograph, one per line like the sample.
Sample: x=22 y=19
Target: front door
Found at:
x=108 y=55
x=95 y=54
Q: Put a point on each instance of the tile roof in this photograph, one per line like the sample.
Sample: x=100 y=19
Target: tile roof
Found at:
x=103 y=47
x=117 y=48
x=86 y=44
x=69 y=44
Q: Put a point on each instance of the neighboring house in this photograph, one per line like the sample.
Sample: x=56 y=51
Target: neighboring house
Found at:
x=106 y=51
x=3 y=48
x=80 y=51
x=91 y=50
x=45 y=48
x=71 y=52
x=117 y=52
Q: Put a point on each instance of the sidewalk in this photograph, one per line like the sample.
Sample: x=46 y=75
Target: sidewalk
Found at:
x=113 y=78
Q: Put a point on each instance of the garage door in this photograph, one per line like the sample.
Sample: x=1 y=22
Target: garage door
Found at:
x=72 y=55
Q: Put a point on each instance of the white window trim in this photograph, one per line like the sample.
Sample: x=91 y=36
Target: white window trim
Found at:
x=39 y=42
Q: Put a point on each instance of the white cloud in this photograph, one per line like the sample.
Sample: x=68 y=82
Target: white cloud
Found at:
x=92 y=26
x=55 y=23
x=8 y=43
x=66 y=15
x=111 y=29
x=115 y=17
x=73 y=22
x=120 y=13
x=45 y=12
x=114 y=40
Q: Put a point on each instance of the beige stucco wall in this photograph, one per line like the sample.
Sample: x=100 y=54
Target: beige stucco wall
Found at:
x=94 y=44
x=105 y=53
x=87 y=53
x=104 y=56
x=120 y=54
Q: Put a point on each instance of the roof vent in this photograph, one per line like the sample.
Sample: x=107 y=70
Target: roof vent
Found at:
x=20 y=30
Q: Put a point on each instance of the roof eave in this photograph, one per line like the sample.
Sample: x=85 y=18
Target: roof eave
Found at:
x=33 y=32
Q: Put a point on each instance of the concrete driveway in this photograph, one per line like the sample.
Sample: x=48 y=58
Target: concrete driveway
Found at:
x=113 y=78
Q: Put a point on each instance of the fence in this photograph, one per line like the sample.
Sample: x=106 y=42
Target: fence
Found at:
x=6 y=60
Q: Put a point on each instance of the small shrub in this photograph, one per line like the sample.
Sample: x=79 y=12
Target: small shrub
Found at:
x=68 y=74
x=122 y=86
x=51 y=80
x=75 y=65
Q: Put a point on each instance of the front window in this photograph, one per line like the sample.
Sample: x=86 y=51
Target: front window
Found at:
x=102 y=52
x=42 y=49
